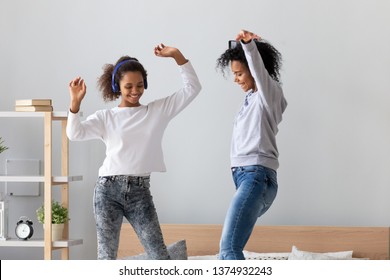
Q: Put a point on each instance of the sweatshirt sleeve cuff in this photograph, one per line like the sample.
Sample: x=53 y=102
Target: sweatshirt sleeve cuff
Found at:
x=72 y=115
x=185 y=66
x=248 y=46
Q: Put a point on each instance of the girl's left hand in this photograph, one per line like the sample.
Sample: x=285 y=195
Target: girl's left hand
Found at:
x=166 y=51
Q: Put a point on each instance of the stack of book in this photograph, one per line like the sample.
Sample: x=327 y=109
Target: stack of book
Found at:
x=33 y=105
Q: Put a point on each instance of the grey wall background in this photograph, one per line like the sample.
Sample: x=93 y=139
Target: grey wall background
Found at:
x=333 y=142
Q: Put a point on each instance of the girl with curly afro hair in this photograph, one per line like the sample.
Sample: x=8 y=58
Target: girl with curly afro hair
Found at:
x=255 y=65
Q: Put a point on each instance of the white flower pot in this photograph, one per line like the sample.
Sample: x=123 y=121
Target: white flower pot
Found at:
x=57 y=231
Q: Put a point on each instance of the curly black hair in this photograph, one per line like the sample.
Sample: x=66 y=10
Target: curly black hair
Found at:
x=272 y=58
x=105 y=80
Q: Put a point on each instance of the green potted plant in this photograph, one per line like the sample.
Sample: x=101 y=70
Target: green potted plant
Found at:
x=59 y=216
x=2 y=147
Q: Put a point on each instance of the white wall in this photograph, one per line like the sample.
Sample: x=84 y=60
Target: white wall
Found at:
x=333 y=142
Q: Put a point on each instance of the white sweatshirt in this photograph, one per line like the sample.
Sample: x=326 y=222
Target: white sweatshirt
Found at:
x=256 y=124
x=133 y=135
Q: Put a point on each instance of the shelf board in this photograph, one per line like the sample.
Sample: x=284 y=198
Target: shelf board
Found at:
x=41 y=179
x=39 y=243
x=11 y=114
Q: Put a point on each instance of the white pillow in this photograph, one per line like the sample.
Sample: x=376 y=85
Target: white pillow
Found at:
x=304 y=255
x=248 y=256
x=177 y=251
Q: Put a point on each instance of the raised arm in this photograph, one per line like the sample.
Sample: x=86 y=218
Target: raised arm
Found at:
x=175 y=103
x=269 y=88
x=76 y=130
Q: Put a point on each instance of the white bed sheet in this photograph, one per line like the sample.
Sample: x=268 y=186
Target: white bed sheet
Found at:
x=248 y=256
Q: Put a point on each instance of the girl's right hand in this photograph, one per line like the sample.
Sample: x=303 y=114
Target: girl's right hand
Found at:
x=246 y=36
x=77 y=91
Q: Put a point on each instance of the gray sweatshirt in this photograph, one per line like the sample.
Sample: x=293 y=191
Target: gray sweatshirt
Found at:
x=256 y=124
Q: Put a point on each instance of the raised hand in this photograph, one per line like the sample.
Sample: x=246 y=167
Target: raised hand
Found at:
x=246 y=36
x=77 y=91
x=165 y=51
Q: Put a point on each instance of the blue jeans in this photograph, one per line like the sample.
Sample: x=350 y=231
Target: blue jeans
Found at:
x=256 y=188
x=121 y=196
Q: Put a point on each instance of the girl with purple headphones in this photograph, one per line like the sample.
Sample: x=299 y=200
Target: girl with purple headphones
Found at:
x=132 y=133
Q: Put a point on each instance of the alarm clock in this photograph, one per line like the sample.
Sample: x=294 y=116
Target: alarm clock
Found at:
x=24 y=229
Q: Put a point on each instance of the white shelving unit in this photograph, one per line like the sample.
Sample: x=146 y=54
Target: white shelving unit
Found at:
x=49 y=181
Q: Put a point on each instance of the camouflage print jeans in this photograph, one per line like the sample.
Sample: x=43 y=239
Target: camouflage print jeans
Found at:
x=121 y=196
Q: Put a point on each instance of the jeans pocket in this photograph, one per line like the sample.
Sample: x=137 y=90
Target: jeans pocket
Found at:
x=271 y=191
x=104 y=180
x=145 y=184
x=103 y=184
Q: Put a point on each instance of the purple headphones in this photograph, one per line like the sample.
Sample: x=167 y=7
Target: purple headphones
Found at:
x=114 y=85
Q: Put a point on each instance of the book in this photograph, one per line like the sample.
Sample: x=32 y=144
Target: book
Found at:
x=33 y=108
x=33 y=102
